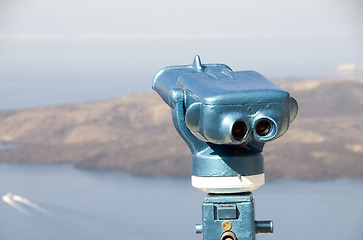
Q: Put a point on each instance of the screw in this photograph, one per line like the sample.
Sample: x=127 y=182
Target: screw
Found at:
x=226 y=225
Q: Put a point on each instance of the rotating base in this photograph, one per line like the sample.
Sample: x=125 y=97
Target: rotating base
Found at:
x=235 y=184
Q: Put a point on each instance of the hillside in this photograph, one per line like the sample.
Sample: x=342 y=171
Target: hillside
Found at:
x=134 y=134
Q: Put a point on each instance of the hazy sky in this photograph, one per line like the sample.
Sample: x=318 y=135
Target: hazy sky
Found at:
x=132 y=40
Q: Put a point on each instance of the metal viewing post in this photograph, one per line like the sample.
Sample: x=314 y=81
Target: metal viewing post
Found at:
x=235 y=113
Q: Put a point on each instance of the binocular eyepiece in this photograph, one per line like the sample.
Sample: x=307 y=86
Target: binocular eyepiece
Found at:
x=239 y=130
x=262 y=128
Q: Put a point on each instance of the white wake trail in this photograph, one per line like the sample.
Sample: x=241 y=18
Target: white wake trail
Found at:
x=13 y=201
x=30 y=204
x=7 y=198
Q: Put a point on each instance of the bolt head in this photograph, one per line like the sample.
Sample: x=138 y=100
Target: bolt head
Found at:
x=226 y=225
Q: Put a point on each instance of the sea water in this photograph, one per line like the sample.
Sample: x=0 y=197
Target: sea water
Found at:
x=61 y=202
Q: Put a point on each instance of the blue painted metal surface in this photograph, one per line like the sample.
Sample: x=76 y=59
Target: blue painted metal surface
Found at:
x=238 y=211
x=209 y=99
x=236 y=113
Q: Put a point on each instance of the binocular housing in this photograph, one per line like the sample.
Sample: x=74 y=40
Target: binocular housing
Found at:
x=235 y=113
x=235 y=108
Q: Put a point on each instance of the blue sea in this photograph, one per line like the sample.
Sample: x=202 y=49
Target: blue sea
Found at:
x=60 y=202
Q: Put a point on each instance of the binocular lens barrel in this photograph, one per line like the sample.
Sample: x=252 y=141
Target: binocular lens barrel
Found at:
x=239 y=130
x=263 y=127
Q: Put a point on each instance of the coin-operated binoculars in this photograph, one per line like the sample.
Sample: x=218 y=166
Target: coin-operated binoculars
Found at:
x=225 y=118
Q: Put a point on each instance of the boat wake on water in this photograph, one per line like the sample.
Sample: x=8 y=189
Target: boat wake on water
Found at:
x=23 y=205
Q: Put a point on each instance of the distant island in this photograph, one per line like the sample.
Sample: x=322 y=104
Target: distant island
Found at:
x=135 y=135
